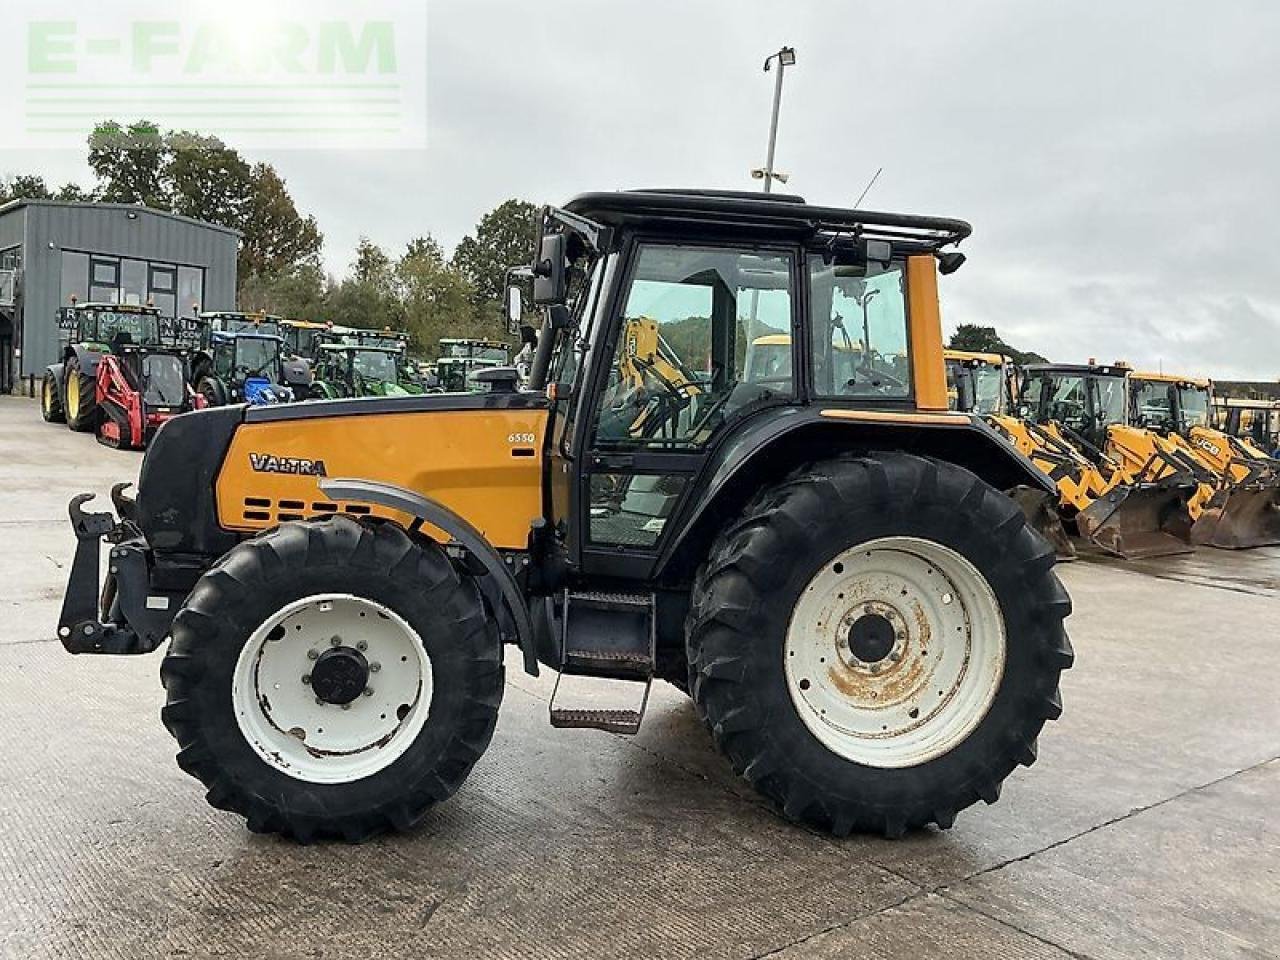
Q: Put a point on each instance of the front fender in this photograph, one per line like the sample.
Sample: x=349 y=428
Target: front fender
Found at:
x=765 y=449
x=461 y=531
x=87 y=359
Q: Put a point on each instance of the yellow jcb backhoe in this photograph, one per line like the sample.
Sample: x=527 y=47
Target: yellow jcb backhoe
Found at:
x=1243 y=509
x=1106 y=505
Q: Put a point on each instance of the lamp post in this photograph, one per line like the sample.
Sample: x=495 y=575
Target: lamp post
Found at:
x=786 y=57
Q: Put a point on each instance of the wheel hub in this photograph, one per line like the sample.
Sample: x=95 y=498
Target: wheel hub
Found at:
x=871 y=638
x=894 y=651
x=340 y=675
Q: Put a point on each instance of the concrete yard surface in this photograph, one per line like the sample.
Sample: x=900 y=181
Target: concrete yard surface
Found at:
x=1149 y=826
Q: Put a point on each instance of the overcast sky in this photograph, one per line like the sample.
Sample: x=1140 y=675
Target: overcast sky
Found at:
x=1119 y=160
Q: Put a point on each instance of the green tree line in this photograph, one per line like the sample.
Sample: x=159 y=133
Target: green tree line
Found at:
x=421 y=290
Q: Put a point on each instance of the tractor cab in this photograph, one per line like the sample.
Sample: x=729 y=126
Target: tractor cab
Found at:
x=981 y=383
x=352 y=370
x=1170 y=404
x=242 y=360
x=1084 y=399
x=1257 y=421
x=462 y=358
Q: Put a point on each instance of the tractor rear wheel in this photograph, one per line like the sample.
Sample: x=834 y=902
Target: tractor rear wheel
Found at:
x=82 y=399
x=51 y=400
x=876 y=643
x=332 y=678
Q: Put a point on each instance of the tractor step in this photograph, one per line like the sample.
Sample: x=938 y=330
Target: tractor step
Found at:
x=609 y=638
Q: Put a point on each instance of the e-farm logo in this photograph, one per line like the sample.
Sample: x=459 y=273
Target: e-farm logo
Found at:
x=264 y=75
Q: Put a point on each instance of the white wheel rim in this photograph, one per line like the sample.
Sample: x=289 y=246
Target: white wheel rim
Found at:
x=277 y=710
x=938 y=679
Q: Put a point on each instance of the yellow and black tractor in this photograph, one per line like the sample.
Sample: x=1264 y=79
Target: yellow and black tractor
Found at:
x=817 y=553
x=1244 y=508
x=1096 y=499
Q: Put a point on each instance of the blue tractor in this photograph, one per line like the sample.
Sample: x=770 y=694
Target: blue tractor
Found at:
x=241 y=360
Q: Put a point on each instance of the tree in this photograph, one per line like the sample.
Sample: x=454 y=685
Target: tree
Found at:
x=277 y=238
x=300 y=293
x=438 y=300
x=979 y=339
x=74 y=193
x=504 y=238
x=24 y=187
x=130 y=163
x=209 y=181
x=367 y=298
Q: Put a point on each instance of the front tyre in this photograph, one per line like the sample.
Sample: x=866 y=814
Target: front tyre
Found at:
x=51 y=400
x=876 y=643
x=332 y=678
x=81 y=391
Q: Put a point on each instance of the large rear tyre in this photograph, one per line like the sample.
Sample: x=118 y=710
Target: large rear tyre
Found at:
x=51 y=400
x=332 y=679
x=876 y=643
x=81 y=392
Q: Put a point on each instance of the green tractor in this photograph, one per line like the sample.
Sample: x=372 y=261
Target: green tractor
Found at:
x=355 y=370
x=461 y=359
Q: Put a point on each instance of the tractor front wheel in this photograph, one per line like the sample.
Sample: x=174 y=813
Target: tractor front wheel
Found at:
x=332 y=679
x=876 y=643
x=51 y=400
x=82 y=399
x=213 y=390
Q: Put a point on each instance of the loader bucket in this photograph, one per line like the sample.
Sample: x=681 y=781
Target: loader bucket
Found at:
x=1041 y=511
x=1240 y=518
x=1140 y=520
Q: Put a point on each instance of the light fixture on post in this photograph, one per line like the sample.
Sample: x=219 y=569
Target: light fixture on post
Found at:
x=786 y=57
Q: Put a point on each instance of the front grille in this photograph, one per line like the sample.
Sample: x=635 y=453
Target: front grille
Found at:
x=262 y=510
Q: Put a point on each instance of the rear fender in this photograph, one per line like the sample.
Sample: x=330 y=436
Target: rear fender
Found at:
x=764 y=450
x=88 y=359
x=499 y=585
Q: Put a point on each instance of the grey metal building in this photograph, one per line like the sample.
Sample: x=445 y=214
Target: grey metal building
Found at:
x=51 y=251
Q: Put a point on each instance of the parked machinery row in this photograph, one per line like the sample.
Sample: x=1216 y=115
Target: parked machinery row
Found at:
x=124 y=370
x=1145 y=464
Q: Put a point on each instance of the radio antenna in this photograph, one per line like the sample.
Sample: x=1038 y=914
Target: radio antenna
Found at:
x=858 y=203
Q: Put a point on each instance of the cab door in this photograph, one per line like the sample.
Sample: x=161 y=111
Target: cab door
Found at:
x=699 y=336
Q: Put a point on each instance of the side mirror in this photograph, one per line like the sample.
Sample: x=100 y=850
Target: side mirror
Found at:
x=515 y=308
x=549 y=286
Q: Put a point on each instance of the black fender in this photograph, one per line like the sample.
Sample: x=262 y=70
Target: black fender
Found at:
x=88 y=359
x=461 y=531
x=764 y=449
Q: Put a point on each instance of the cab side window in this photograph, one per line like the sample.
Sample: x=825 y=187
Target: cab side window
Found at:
x=858 y=316
x=705 y=334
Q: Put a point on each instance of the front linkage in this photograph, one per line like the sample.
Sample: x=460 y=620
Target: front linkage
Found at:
x=129 y=615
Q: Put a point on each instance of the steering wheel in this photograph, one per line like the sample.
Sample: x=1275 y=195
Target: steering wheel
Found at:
x=880 y=381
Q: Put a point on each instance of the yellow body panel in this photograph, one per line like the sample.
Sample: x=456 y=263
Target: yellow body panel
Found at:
x=930 y=372
x=485 y=465
x=1172 y=378
x=887 y=416
x=995 y=359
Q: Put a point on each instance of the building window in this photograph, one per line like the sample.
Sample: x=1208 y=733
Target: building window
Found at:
x=163 y=288
x=133 y=282
x=190 y=290
x=104 y=280
x=11 y=259
x=75 y=277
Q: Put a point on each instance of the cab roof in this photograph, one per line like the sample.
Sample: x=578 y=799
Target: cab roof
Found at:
x=1172 y=378
x=119 y=307
x=995 y=359
x=736 y=211
x=1078 y=369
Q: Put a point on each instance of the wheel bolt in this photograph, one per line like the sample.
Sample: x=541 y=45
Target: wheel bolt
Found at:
x=306 y=678
x=362 y=646
x=346 y=706
x=368 y=691
x=375 y=667
x=312 y=655
x=335 y=642
x=319 y=702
